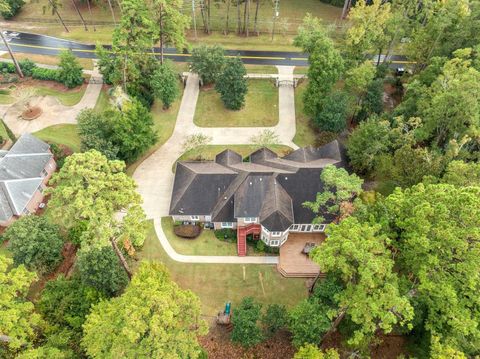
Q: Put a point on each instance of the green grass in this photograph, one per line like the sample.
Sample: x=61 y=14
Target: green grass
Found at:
x=6 y=97
x=216 y=284
x=67 y=98
x=102 y=101
x=306 y=134
x=208 y=152
x=3 y=131
x=65 y=134
x=164 y=124
x=261 y=107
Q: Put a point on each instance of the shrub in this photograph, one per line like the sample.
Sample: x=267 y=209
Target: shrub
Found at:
x=35 y=242
x=70 y=73
x=40 y=73
x=208 y=62
x=226 y=234
x=7 y=67
x=260 y=246
x=275 y=318
x=14 y=8
x=27 y=66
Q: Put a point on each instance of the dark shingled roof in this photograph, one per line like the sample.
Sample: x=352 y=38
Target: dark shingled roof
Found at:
x=271 y=188
x=277 y=210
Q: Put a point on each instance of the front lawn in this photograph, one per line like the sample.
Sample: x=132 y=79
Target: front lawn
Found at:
x=87 y=64
x=261 y=107
x=208 y=152
x=68 y=97
x=64 y=134
x=216 y=284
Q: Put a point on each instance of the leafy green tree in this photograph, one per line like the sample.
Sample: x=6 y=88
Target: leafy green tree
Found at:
x=70 y=72
x=408 y=165
x=132 y=130
x=100 y=268
x=367 y=142
x=14 y=7
x=170 y=24
x=208 y=62
x=372 y=102
x=334 y=112
x=358 y=78
x=231 y=84
x=308 y=322
x=245 y=317
x=64 y=304
x=461 y=173
x=164 y=83
x=309 y=351
x=275 y=318
x=165 y=323
x=44 y=352
x=434 y=231
x=359 y=255
x=367 y=32
x=94 y=129
x=339 y=187
x=326 y=63
x=89 y=188
x=18 y=321
x=35 y=242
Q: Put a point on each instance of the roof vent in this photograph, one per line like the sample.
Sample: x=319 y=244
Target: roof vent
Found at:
x=261 y=179
x=225 y=198
x=251 y=183
x=286 y=178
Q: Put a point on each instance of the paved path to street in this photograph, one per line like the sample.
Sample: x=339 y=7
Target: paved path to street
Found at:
x=54 y=113
x=154 y=176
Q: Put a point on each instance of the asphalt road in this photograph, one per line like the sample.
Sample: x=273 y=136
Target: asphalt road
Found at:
x=47 y=45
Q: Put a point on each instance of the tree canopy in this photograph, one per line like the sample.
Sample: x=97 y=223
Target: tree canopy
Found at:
x=232 y=85
x=165 y=325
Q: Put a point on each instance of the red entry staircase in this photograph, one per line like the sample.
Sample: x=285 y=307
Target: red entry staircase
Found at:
x=242 y=232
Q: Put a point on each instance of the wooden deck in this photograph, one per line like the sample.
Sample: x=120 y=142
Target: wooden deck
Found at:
x=292 y=262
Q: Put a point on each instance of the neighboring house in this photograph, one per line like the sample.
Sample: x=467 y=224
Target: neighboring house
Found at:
x=264 y=196
x=24 y=172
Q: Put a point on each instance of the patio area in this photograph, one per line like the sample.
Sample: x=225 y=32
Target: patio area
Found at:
x=292 y=261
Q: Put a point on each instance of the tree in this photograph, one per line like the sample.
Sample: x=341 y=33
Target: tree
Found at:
x=208 y=62
x=274 y=319
x=44 y=352
x=434 y=231
x=70 y=73
x=14 y=7
x=367 y=142
x=357 y=82
x=94 y=129
x=308 y=322
x=35 y=242
x=64 y=304
x=55 y=5
x=339 y=187
x=92 y=189
x=359 y=255
x=232 y=85
x=333 y=114
x=309 y=351
x=100 y=268
x=368 y=21
x=170 y=24
x=18 y=320
x=265 y=138
x=165 y=325
x=164 y=83
x=373 y=100
x=461 y=173
x=244 y=319
x=326 y=64
x=5 y=7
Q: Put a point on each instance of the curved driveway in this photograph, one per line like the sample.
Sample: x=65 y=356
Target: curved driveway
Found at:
x=154 y=176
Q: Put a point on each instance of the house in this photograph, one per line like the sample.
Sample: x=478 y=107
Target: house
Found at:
x=263 y=196
x=24 y=172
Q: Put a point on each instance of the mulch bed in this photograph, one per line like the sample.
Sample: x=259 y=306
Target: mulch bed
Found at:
x=188 y=231
x=31 y=113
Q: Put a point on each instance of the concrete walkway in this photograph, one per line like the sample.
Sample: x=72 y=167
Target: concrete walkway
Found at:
x=154 y=176
x=54 y=113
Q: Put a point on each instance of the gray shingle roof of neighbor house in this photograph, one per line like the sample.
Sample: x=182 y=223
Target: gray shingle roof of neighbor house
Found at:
x=271 y=188
x=21 y=174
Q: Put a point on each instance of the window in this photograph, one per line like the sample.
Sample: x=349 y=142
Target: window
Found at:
x=25 y=211
x=44 y=172
x=274 y=243
x=294 y=227
x=194 y=218
x=266 y=230
x=276 y=234
x=250 y=220
x=319 y=228
x=227 y=225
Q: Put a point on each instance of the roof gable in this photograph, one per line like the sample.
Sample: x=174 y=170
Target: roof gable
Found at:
x=20 y=192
